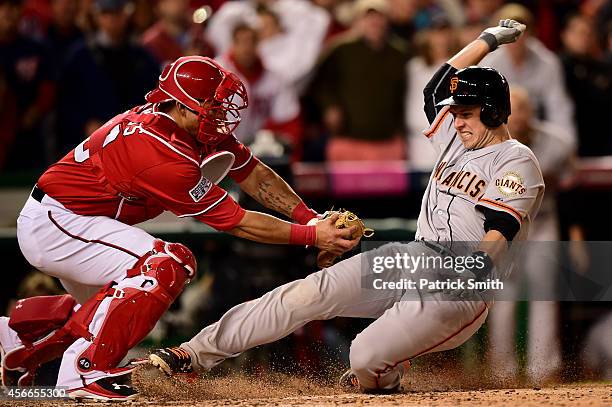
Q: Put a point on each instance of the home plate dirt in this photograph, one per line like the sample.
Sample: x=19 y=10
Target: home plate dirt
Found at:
x=283 y=390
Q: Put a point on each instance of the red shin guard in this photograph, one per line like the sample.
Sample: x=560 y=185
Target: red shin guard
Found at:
x=127 y=312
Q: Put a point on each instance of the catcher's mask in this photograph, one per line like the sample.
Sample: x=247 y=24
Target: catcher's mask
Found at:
x=208 y=90
x=484 y=87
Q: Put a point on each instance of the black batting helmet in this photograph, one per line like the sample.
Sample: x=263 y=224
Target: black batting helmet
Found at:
x=481 y=86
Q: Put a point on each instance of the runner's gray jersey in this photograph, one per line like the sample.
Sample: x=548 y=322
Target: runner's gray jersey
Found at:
x=503 y=177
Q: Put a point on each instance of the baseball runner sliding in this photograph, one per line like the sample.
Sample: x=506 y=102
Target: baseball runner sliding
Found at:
x=77 y=226
x=485 y=189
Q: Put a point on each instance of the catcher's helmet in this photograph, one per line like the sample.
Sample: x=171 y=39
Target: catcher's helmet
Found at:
x=481 y=86
x=207 y=89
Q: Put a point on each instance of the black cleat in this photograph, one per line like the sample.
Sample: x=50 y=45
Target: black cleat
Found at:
x=171 y=360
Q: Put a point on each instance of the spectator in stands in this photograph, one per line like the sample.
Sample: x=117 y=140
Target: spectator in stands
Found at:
x=35 y=284
x=608 y=43
x=293 y=52
x=102 y=76
x=35 y=18
x=589 y=82
x=8 y=117
x=336 y=24
x=271 y=104
x=434 y=46
x=481 y=11
x=268 y=24
x=428 y=10
x=143 y=16
x=467 y=32
x=174 y=34
x=528 y=63
x=401 y=21
x=62 y=32
x=359 y=88
x=27 y=89
x=85 y=18
x=539 y=264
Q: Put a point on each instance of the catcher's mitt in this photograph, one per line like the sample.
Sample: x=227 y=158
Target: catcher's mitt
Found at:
x=346 y=219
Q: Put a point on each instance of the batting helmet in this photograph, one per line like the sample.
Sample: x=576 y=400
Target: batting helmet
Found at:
x=481 y=86
x=208 y=90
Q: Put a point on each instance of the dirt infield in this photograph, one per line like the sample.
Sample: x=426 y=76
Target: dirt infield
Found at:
x=567 y=395
x=284 y=390
x=587 y=395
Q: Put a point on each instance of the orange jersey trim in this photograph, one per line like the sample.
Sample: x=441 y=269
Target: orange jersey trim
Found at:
x=436 y=125
x=506 y=208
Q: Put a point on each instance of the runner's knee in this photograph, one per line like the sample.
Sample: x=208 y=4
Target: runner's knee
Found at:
x=363 y=357
x=303 y=293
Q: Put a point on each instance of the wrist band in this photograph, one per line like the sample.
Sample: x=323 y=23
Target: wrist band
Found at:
x=486 y=265
x=303 y=235
x=490 y=40
x=302 y=214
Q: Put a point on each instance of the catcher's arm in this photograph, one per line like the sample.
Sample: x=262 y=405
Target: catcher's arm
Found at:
x=268 y=229
x=269 y=189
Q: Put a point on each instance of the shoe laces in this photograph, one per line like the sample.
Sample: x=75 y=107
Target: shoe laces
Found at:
x=182 y=358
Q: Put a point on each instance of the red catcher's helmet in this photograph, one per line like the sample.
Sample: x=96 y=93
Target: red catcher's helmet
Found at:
x=207 y=89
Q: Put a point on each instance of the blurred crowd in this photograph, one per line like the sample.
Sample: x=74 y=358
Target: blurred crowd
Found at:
x=332 y=79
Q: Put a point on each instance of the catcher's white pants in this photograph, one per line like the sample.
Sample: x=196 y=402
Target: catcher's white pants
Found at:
x=84 y=253
x=403 y=329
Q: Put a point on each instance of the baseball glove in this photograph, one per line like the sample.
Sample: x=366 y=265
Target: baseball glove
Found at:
x=346 y=219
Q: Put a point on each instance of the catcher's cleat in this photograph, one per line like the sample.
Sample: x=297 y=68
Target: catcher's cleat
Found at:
x=11 y=377
x=17 y=377
x=106 y=389
x=171 y=360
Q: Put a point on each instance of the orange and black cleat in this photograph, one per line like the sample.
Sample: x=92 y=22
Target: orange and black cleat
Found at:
x=171 y=360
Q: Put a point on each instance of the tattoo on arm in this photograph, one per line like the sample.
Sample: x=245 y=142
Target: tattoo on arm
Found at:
x=275 y=198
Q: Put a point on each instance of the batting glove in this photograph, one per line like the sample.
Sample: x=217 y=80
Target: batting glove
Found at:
x=506 y=32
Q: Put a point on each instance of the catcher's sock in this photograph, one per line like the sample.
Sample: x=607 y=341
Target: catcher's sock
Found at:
x=171 y=360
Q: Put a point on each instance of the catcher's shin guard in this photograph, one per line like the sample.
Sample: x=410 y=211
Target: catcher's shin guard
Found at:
x=38 y=322
x=120 y=314
x=126 y=312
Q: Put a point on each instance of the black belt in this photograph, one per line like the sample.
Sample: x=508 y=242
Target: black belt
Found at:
x=441 y=250
x=38 y=193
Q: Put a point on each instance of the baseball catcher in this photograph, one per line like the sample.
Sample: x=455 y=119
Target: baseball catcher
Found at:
x=166 y=155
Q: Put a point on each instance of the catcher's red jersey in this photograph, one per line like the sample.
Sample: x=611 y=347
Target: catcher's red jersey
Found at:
x=141 y=163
